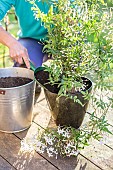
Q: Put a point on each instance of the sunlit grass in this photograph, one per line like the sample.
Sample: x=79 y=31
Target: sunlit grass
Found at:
x=5 y=60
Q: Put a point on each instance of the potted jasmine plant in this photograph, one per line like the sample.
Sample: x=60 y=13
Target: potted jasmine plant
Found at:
x=80 y=40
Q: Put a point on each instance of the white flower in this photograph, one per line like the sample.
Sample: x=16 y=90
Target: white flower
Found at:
x=60 y=131
x=40 y=147
x=49 y=139
x=74 y=153
x=40 y=150
x=64 y=132
x=50 y=151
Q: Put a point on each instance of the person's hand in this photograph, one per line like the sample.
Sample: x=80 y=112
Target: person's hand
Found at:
x=19 y=53
x=16 y=51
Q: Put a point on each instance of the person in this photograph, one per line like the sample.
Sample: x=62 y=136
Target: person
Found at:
x=30 y=42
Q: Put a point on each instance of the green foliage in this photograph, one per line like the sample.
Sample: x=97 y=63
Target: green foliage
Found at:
x=66 y=141
x=80 y=40
x=109 y=3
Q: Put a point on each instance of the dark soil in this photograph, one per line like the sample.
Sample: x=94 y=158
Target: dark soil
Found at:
x=43 y=78
x=8 y=82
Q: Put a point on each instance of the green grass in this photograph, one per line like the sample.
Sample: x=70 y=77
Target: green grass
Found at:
x=5 y=60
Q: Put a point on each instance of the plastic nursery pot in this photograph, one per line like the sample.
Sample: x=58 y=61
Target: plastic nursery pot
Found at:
x=37 y=78
x=36 y=70
x=63 y=110
x=42 y=77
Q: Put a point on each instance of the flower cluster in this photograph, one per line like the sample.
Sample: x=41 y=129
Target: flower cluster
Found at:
x=53 y=142
x=66 y=140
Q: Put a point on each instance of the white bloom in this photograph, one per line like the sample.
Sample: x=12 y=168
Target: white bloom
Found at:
x=64 y=132
x=50 y=151
x=74 y=153
x=40 y=150
x=39 y=144
x=48 y=139
x=60 y=131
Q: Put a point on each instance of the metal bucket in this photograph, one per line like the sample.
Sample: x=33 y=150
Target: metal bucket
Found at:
x=16 y=103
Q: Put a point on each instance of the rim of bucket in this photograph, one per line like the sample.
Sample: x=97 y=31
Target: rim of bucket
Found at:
x=15 y=131
x=17 y=68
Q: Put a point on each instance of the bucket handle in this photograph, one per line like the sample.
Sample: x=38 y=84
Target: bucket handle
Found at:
x=32 y=67
x=2 y=92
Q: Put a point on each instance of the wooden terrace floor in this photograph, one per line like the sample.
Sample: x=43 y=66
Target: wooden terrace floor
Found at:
x=94 y=157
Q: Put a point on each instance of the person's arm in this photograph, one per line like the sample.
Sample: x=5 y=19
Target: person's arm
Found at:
x=16 y=51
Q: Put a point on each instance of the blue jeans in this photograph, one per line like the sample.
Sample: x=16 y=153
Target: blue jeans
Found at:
x=34 y=49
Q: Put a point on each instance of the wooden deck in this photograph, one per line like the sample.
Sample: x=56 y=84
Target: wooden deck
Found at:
x=94 y=157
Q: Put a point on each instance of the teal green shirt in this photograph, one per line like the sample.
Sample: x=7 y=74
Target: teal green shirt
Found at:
x=29 y=26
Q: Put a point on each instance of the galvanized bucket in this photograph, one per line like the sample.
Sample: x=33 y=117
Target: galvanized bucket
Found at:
x=16 y=103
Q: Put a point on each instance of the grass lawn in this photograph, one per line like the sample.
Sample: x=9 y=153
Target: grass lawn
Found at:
x=5 y=60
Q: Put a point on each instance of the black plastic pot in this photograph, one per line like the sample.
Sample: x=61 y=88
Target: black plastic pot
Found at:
x=64 y=110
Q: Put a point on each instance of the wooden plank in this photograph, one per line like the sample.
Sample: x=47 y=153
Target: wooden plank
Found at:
x=107 y=138
x=109 y=116
x=41 y=96
x=109 y=142
x=104 y=96
x=105 y=148
x=67 y=163
x=29 y=133
x=72 y=163
x=42 y=115
x=41 y=99
x=84 y=164
x=4 y=165
x=100 y=154
x=10 y=150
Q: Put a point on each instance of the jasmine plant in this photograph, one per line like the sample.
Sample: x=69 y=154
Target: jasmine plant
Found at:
x=80 y=40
